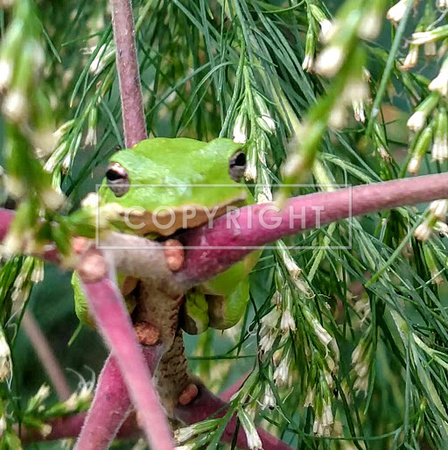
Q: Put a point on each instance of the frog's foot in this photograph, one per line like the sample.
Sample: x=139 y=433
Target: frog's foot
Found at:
x=174 y=254
x=188 y=395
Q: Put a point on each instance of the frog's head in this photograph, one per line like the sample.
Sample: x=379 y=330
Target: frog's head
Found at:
x=168 y=184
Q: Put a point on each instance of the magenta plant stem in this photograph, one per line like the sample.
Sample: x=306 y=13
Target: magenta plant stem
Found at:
x=114 y=323
x=69 y=427
x=111 y=403
x=128 y=72
x=256 y=225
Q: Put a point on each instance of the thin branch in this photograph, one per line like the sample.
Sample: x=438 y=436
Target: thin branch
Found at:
x=233 y=236
x=46 y=355
x=113 y=321
x=111 y=403
x=128 y=72
x=69 y=427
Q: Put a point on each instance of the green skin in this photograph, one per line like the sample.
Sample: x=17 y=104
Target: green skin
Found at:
x=162 y=172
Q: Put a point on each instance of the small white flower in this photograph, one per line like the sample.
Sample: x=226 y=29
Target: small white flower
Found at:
x=5 y=357
x=15 y=106
x=322 y=333
x=91 y=136
x=43 y=393
x=396 y=13
x=414 y=165
x=45 y=429
x=281 y=373
x=430 y=49
x=411 y=58
x=439 y=150
x=52 y=198
x=239 y=132
x=86 y=392
x=322 y=425
x=308 y=63
x=253 y=440
x=327 y=415
x=250 y=174
x=330 y=61
x=442 y=4
x=101 y=59
x=290 y=264
x=287 y=323
x=91 y=200
x=267 y=341
x=440 y=82
x=359 y=111
x=326 y=29
x=439 y=209
x=266 y=123
x=44 y=142
x=67 y=161
x=71 y=403
x=3 y=424
x=37 y=275
x=184 y=434
x=268 y=400
x=423 y=232
x=417 y=121
x=310 y=397
x=370 y=25
x=6 y=71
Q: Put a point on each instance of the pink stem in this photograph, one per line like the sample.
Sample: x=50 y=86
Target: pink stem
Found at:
x=70 y=426
x=206 y=404
x=214 y=249
x=114 y=323
x=46 y=355
x=128 y=72
x=111 y=403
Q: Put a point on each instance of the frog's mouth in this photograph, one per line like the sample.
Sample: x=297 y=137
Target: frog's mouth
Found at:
x=167 y=221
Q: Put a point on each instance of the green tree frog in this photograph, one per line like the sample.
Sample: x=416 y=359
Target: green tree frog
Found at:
x=167 y=185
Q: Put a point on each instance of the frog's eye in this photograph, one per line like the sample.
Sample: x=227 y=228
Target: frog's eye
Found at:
x=237 y=166
x=117 y=179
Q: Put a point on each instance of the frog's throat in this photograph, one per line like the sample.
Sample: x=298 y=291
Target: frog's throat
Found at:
x=167 y=221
